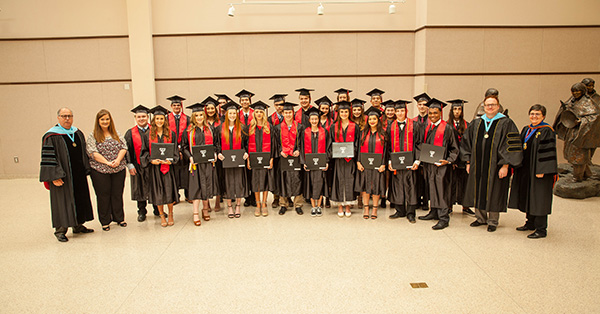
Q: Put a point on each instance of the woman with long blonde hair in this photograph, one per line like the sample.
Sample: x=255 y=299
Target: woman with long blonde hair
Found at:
x=260 y=138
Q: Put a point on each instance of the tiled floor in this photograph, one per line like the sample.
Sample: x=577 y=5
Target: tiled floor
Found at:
x=295 y=264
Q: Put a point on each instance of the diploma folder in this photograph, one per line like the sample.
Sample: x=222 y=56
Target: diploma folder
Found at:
x=162 y=151
x=289 y=164
x=233 y=158
x=370 y=161
x=316 y=161
x=402 y=160
x=260 y=160
x=432 y=154
x=343 y=149
x=203 y=153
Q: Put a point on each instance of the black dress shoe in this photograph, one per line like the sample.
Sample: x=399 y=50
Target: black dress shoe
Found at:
x=156 y=213
x=253 y=203
x=382 y=205
x=468 y=211
x=439 y=226
x=396 y=215
x=82 y=229
x=61 y=237
x=299 y=210
x=525 y=228
x=429 y=216
x=476 y=223
x=141 y=217
x=282 y=210
x=535 y=235
x=411 y=219
x=491 y=228
x=247 y=203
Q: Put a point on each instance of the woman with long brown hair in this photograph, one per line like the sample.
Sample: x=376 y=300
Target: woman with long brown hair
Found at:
x=107 y=150
x=203 y=180
x=163 y=187
x=358 y=113
x=260 y=137
x=231 y=136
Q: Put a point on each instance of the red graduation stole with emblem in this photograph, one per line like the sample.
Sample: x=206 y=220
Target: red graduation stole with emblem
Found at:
x=136 y=138
x=266 y=141
x=164 y=168
x=378 y=143
x=208 y=137
x=408 y=136
x=288 y=137
x=327 y=124
x=350 y=131
x=438 y=140
x=308 y=141
x=250 y=116
x=237 y=142
x=182 y=125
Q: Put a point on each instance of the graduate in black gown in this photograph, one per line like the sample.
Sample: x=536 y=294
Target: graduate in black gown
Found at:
x=439 y=175
x=388 y=116
x=214 y=119
x=315 y=140
x=360 y=119
x=324 y=104
x=456 y=119
x=404 y=136
x=304 y=98
x=232 y=136
x=246 y=116
x=371 y=182
x=178 y=122
x=423 y=119
x=533 y=182
x=343 y=94
x=490 y=146
x=203 y=180
x=275 y=119
x=287 y=143
x=140 y=184
x=163 y=184
x=260 y=139
x=342 y=190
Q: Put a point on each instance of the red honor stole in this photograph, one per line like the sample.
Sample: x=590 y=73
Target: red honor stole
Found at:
x=308 y=141
x=182 y=125
x=164 y=168
x=266 y=141
x=349 y=135
x=416 y=119
x=299 y=114
x=208 y=137
x=237 y=143
x=250 y=116
x=439 y=133
x=275 y=119
x=288 y=137
x=378 y=144
x=408 y=136
x=136 y=138
x=327 y=124
x=454 y=126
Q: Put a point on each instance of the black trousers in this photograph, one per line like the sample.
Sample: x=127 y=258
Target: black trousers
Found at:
x=141 y=205
x=540 y=223
x=109 y=196
x=405 y=210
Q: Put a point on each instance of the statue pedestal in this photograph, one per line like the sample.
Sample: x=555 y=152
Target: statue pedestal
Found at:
x=567 y=188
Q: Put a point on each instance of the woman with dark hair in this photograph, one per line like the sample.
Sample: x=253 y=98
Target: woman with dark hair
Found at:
x=107 y=150
x=213 y=116
x=326 y=120
x=369 y=181
x=358 y=113
x=533 y=182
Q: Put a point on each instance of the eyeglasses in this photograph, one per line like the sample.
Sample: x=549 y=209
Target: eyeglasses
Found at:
x=490 y=105
x=66 y=116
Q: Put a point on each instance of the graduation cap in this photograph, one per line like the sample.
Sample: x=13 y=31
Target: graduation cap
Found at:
x=435 y=103
x=343 y=105
x=196 y=107
x=176 y=99
x=313 y=111
x=140 y=109
x=457 y=102
x=401 y=104
x=278 y=97
x=375 y=92
x=222 y=96
x=208 y=101
x=159 y=110
x=389 y=104
x=323 y=101
x=372 y=111
x=244 y=93
x=231 y=105
x=343 y=91
x=357 y=102
x=422 y=97
x=259 y=105
x=289 y=106
x=304 y=91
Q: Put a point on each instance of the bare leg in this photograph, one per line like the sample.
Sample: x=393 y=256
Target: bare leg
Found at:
x=163 y=220
x=170 y=222
x=206 y=210
x=196 y=218
x=257 y=210
x=218 y=203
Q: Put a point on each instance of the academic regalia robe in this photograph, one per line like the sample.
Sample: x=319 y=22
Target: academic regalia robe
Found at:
x=403 y=190
x=140 y=186
x=342 y=189
x=290 y=182
x=422 y=189
x=485 y=190
x=203 y=181
x=459 y=171
x=262 y=179
x=219 y=163
x=163 y=187
x=235 y=180
x=371 y=181
x=301 y=117
x=70 y=203
x=180 y=169
x=246 y=117
x=315 y=181
x=329 y=173
x=528 y=193
x=275 y=119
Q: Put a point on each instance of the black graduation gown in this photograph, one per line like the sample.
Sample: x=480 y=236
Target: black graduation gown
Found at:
x=528 y=193
x=70 y=203
x=140 y=186
x=459 y=171
x=485 y=190
x=331 y=162
x=289 y=182
x=439 y=179
x=163 y=187
x=315 y=181
x=219 y=163
x=342 y=189
x=304 y=117
x=180 y=169
x=372 y=181
x=403 y=188
x=235 y=180
x=262 y=179
x=203 y=181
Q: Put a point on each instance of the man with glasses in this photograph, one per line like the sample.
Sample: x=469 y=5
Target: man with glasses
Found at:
x=64 y=169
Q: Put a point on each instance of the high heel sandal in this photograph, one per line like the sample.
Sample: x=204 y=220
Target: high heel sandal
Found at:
x=197 y=222
x=257 y=210
x=265 y=211
x=230 y=215
x=206 y=216
x=237 y=208
x=106 y=228
x=163 y=220
x=170 y=221
x=374 y=215
x=366 y=210
x=123 y=224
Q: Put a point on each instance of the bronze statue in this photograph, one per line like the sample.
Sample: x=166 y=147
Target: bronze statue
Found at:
x=480 y=111
x=591 y=92
x=577 y=124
